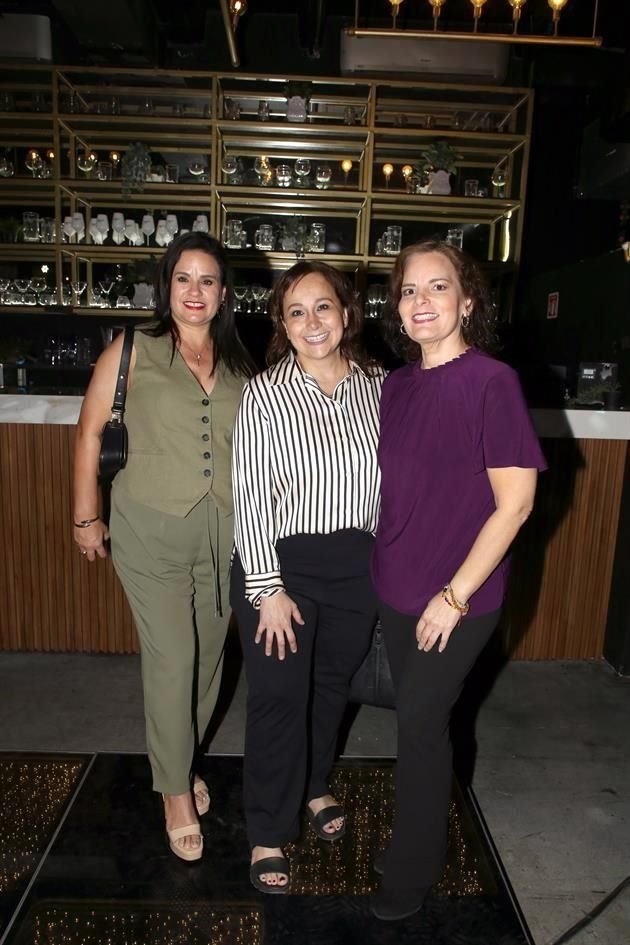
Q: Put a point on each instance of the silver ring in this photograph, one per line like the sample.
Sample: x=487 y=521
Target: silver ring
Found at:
x=83 y=552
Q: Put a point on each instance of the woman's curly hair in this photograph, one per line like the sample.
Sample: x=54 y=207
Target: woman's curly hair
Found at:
x=480 y=330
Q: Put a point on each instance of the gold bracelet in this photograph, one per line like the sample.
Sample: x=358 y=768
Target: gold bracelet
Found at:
x=451 y=600
x=86 y=522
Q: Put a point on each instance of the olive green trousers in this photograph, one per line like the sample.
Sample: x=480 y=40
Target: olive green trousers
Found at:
x=174 y=572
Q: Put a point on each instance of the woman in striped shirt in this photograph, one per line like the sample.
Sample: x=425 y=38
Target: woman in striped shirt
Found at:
x=306 y=487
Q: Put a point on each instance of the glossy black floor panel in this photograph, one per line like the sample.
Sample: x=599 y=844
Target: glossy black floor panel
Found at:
x=109 y=878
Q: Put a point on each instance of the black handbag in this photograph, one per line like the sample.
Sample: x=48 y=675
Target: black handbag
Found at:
x=113 y=455
x=372 y=683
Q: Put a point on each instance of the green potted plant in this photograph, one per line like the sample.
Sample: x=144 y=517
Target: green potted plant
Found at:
x=436 y=163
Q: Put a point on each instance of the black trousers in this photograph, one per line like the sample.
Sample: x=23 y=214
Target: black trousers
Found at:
x=295 y=706
x=427 y=687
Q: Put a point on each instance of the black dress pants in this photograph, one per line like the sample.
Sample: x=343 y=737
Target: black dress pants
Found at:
x=427 y=686
x=295 y=706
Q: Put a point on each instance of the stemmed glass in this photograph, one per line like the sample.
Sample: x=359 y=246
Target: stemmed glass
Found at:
x=162 y=237
x=498 y=181
x=197 y=169
x=382 y=299
x=118 y=228
x=106 y=285
x=172 y=226
x=258 y=294
x=78 y=223
x=33 y=162
x=22 y=285
x=79 y=288
x=240 y=291
x=229 y=165
x=302 y=168
x=87 y=161
x=4 y=285
x=148 y=226
x=132 y=233
x=372 y=299
x=262 y=169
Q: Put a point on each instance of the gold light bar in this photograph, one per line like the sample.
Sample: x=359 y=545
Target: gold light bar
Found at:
x=479 y=37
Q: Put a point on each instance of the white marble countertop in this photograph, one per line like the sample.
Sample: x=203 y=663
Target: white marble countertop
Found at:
x=549 y=423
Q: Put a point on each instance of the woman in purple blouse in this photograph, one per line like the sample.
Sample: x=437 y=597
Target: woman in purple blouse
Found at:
x=459 y=461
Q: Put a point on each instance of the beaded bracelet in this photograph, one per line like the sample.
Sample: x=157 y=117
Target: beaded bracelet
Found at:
x=86 y=522
x=451 y=600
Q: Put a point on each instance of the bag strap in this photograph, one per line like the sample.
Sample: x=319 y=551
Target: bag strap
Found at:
x=120 y=395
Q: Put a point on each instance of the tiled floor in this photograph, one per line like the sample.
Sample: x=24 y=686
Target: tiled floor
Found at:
x=107 y=877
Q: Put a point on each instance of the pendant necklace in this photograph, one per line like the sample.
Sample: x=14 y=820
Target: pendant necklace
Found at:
x=198 y=356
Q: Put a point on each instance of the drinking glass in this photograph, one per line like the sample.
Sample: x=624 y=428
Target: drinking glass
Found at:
x=66 y=295
x=393 y=240
x=323 y=176
x=30 y=226
x=87 y=161
x=118 y=228
x=498 y=181
x=4 y=285
x=104 y=170
x=455 y=237
x=372 y=300
x=264 y=111
x=283 y=175
x=197 y=169
x=258 y=293
x=106 y=285
x=264 y=238
x=7 y=168
x=471 y=188
x=102 y=225
x=317 y=238
x=78 y=223
x=48 y=230
x=37 y=283
x=302 y=168
x=233 y=231
x=172 y=173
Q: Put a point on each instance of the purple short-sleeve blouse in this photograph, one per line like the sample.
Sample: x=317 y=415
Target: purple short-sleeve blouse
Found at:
x=441 y=429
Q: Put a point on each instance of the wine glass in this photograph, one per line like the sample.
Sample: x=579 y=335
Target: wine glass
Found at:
x=106 y=285
x=197 y=169
x=240 y=292
x=172 y=226
x=372 y=300
x=78 y=223
x=148 y=226
x=6 y=167
x=33 y=161
x=37 y=283
x=262 y=169
x=87 y=161
x=498 y=181
x=102 y=225
x=118 y=228
x=162 y=237
x=258 y=294
x=200 y=224
x=4 y=285
x=79 y=288
x=229 y=165
x=302 y=168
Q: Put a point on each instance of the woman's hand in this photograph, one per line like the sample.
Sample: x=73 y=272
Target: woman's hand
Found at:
x=276 y=614
x=436 y=623
x=91 y=540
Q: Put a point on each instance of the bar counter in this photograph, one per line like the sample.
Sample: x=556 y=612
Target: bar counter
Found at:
x=562 y=561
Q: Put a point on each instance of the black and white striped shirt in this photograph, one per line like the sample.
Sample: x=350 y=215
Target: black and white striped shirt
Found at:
x=302 y=463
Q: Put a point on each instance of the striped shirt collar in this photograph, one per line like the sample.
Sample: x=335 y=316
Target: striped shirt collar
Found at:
x=289 y=370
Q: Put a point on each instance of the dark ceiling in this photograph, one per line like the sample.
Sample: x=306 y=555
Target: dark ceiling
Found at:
x=165 y=33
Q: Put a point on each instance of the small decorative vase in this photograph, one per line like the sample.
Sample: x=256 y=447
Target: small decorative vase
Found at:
x=439 y=182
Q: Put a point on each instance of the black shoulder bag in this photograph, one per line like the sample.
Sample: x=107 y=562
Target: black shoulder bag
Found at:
x=372 y=683
x=113 y=455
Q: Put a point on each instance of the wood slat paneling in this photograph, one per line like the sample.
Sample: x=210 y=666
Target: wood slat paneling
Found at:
x=562 y=561
x=53 y=599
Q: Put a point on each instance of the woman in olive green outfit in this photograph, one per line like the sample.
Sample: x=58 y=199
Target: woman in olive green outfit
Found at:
x=171 y=516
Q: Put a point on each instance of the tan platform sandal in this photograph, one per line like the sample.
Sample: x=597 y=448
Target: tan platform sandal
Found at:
x=192 y=830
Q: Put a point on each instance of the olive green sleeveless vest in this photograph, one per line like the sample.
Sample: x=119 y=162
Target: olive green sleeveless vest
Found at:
x=180 y=438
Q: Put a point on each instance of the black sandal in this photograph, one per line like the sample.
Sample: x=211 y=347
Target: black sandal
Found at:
x=325 y=816
x=270 y=864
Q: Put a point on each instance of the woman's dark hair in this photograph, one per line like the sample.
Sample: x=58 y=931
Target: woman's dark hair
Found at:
x=351 y=346
x=228 y=347
x=480 y=330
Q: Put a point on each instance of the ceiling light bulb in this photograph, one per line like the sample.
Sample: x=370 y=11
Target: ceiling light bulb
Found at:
x=346 y=165
x=557 y=5
x=114 y=157
x=406 y=171
x=50 y=154
x=388 y=170
x=517 y=6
